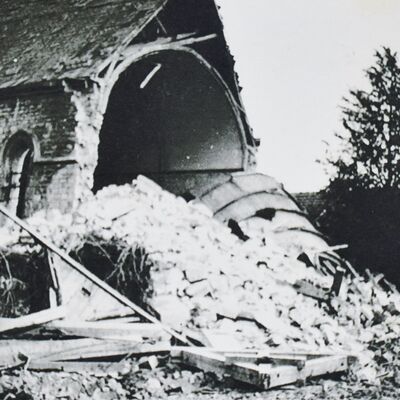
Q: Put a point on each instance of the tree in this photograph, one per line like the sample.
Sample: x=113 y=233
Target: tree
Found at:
x=363 y=196
x=371 y=119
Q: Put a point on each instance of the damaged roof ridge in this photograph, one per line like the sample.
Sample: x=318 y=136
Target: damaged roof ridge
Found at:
x=108 y=65
x=101 y=28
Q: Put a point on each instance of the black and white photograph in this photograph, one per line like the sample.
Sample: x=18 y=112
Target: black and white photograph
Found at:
x=199 y=199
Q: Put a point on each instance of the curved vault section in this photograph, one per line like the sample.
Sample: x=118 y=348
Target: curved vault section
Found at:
x=265 y=210
x=171 y=118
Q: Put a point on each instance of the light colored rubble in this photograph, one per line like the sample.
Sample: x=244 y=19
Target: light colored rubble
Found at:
x=206 y=279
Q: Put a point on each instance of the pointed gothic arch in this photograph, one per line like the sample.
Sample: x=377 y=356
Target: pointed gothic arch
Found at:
x=169 y=114
x=17 y=160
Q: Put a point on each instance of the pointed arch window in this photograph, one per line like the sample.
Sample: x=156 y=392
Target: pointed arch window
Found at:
x=18 y=160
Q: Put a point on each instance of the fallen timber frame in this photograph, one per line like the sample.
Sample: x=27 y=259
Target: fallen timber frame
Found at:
x=91 y=277
x=261 y=369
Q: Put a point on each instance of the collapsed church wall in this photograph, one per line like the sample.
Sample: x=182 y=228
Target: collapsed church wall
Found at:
x=74 y=138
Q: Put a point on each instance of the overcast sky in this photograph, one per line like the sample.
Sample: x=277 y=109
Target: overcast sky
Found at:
x=296 y=59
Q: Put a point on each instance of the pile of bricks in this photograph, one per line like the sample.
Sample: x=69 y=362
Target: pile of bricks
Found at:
x=230 y=293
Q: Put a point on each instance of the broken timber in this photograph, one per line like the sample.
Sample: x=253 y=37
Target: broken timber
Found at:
x=261 y=370
x=96 y=286
x=15 y=351
x=105 y=330
x=9 y=325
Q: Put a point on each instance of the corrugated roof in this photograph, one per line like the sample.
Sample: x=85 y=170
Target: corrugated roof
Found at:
x=44 y=40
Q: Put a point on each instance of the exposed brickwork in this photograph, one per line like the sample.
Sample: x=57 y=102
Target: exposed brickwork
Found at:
x=52 y=186
x=49 y=118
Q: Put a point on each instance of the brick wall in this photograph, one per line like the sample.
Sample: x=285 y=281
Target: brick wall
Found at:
x=50 y=119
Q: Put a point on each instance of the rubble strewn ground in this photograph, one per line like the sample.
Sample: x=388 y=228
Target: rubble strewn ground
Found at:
x=179 y=384
x=225 y=292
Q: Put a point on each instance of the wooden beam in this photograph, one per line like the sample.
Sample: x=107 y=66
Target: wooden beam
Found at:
x=13 y=352
x=90 y=276
x=182 y=40
x=105 y=349
x=27 y=322
x=308 y=289
x=105 y=330
x=203 y=359
x=284 y=375
x=264 y=375
x=93 y=367
x=208 y=361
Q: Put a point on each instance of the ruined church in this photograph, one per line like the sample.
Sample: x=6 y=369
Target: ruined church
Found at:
x=94 y=93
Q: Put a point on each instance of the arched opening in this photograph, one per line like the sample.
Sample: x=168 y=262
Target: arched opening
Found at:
x=168 y=114
x=18 y=160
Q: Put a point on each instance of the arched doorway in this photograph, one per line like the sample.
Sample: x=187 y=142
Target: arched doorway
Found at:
x=18 y=160
x=169 y=114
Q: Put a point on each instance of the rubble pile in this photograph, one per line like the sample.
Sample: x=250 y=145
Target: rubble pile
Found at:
x=229 y=293
x=28 y=385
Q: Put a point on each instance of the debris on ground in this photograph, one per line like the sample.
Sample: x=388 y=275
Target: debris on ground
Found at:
x=226 y=293
x=78 y=344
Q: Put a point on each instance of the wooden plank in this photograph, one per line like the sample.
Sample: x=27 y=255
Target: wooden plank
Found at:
x=176 y=351
x=298 y=355
x=107 y=349
x=308 y=289
x=88 y=275
x=119 y=320
x=210 y=362
x=249 y=373
x=265 y=375
x=243 y=358
x=106 y=330
x=93 y=367
x=117 y=315
x=326 y=365
x=12 y=350
x=283 y=375
x=263 y=357
x=204 y=360
x=26 y=322
x=289 y=359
